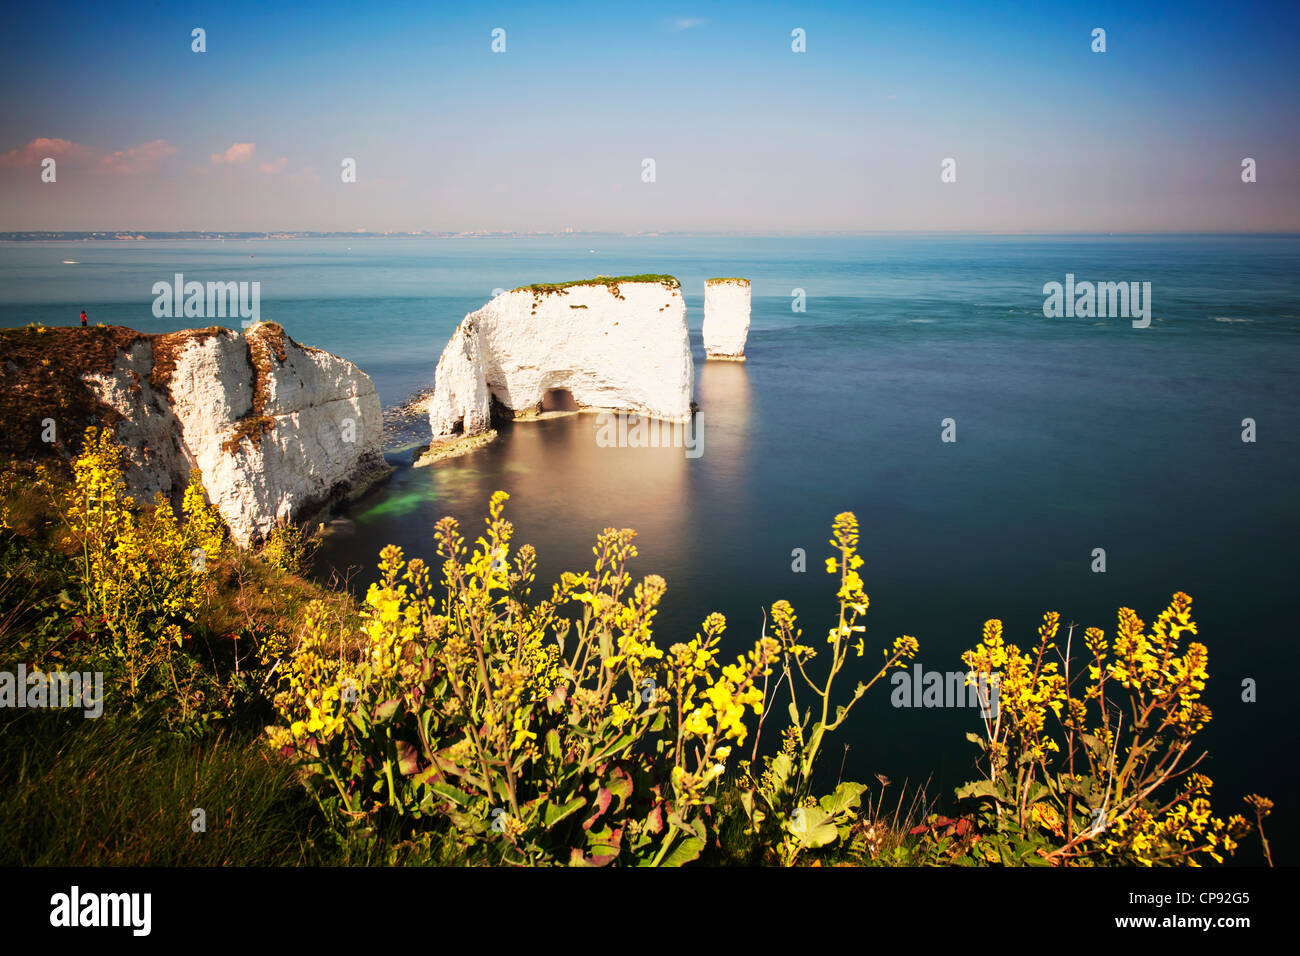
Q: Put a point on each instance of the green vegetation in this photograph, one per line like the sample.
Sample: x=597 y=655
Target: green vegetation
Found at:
x=726 y=279
x=111 y=792
x=463 y=720
x=546 y=288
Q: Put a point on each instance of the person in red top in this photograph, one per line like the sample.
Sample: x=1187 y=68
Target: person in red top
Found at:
x=83 y=318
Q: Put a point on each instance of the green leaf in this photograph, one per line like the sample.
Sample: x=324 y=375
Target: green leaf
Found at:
x=811 y=828
x=1038 y=791
x=1084 y=788
x=847 y=795
x=978 y=788
x=385 y=711
x=408 y=758
x=1097 y=746
x=620 y=784
x=459 y=797
x=554 y=812
x=578 y=858
x=794 y=716
x=620 y=744
x=782 y=768
x=684 y=852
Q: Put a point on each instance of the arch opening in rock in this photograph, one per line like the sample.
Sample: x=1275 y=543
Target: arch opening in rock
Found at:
x=533 y=352
x=559 y=400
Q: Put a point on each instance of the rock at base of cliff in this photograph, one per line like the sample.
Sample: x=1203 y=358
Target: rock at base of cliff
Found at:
x=453 y=448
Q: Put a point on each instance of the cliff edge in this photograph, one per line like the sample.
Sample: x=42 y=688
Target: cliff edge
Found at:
x=278 y=431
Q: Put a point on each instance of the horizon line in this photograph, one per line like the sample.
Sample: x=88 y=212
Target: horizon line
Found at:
x=146 y=235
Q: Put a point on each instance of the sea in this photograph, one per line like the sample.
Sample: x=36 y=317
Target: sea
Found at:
x=1076 y=443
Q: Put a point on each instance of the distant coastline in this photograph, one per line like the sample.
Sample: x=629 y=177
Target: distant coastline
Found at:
x=132 y=235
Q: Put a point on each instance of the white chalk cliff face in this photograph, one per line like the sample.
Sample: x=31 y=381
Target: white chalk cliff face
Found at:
x=278 y=431
x=726 y=318
x=618 y=345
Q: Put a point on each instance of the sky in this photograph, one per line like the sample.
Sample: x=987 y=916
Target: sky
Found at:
x=746 y=134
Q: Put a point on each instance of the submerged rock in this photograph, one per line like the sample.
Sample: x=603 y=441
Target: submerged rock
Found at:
x=726 y=318
x=278 y=431
x=601 y=343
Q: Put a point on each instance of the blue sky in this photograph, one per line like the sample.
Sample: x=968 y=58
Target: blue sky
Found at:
x=746 y=135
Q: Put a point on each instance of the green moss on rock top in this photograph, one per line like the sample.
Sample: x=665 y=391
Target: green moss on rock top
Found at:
x=613 y=282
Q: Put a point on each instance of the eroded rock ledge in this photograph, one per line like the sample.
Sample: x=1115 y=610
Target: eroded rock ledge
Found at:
x=278 y=431
x=608 y=343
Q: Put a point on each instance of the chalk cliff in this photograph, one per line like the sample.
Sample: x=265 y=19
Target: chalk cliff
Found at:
x=726 y=318
x=278 y=431
x=610 y=343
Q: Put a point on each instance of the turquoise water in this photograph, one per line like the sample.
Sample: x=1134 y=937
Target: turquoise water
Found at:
x=1072 y=434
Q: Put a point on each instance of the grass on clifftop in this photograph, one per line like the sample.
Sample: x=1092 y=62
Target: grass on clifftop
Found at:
x=545 y=288
x=727 y=279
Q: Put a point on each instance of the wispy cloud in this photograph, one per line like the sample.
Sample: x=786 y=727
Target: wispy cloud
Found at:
x=275 y=166
x=686 y=23
x=236 y=154
x=135 y=159
x=38 y=149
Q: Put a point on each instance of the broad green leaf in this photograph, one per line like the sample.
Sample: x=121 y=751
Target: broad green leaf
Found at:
x=782 y=768
x=684 y=852
x=810 y=827
x=620 y=784
x=554 y=812
x=978 y=788
x=847 y=795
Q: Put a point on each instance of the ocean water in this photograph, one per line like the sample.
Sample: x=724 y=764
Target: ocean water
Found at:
x=1072 y=434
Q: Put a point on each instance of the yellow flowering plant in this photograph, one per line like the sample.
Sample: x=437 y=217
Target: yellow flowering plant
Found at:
x=108 y=584
x=778 y=801
x=1104 y=777
x=531 y=732
x=143 y=575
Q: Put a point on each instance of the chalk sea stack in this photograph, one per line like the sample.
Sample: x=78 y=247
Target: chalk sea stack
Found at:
x=726 y=319
x=604 y=343
x=280 y=432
